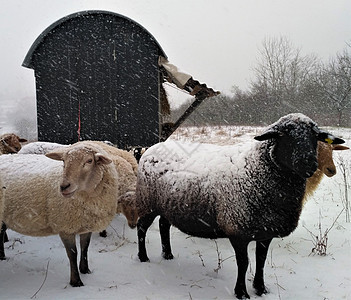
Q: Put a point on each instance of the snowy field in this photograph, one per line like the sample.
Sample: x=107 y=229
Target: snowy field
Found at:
x=38 y=268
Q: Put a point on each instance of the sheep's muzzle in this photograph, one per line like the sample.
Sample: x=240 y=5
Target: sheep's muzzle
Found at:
x=65 y=190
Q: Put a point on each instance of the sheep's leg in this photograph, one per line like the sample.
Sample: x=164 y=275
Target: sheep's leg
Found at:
x=242 y=261
x=3 y=227
x=69 y=240
x=2 y=240
x=84 y=245
x=261 y=255
x=165 y=238
x=143 y=225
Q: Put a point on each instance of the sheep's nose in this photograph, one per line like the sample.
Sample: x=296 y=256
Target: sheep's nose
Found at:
x=64 y=187
x=331 y=172
x=132 y=225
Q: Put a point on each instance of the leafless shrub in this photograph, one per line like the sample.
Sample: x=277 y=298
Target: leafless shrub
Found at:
x=46 y=275
x=320 y=240
x=219 y=259
x=16 y=240
x=200 y=256
x=344 y=168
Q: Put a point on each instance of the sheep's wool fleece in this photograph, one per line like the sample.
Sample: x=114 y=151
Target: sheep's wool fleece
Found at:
x=185 y=169
x=124 y=161
x=222 y=187
x=33 y=204
x=40 y=148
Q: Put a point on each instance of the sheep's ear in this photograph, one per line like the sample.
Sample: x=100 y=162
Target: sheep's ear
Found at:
x=269 y=134
x=327 y=137
x=56 y=155
x=102 y=159
x=22 y=140
x=340 y=147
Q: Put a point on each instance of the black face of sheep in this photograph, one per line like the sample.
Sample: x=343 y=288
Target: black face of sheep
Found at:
x=262 y=199
x=295 y=144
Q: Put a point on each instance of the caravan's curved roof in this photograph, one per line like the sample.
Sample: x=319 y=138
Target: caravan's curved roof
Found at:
x=41 y=38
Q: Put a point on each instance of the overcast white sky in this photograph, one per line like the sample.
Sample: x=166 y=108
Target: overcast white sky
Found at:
x=214 y=41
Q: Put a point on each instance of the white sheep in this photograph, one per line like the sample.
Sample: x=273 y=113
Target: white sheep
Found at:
x=10 y=143
x=245 y=195
x=44 y=197
x=126 y=167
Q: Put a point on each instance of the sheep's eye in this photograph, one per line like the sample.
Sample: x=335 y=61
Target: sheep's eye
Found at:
x=89 y=162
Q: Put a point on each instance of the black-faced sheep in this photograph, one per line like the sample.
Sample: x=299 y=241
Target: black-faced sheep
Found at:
x=46 y=197
x=10 y=143
x=326 y=166
x=216 y=192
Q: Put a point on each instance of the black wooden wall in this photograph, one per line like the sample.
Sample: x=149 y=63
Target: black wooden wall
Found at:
x=97 y=78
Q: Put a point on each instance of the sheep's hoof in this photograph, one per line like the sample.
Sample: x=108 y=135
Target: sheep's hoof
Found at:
x=85 y=271
x=3 y=258
x=167 y=256
x=260 y=292
x=242 y=294
x=260 y=289
x=103 y=233
x=77 y=283
x=143 y=258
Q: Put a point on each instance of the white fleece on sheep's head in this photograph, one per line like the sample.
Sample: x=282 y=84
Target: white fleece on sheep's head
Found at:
x=83 y=168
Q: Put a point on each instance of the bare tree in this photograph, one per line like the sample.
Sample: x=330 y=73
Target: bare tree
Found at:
x=285 y=81
x=281 y=73
x=334 y=81
x=282 y=67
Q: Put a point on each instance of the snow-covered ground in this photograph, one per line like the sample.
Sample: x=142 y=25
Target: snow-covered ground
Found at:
x=202 y=269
